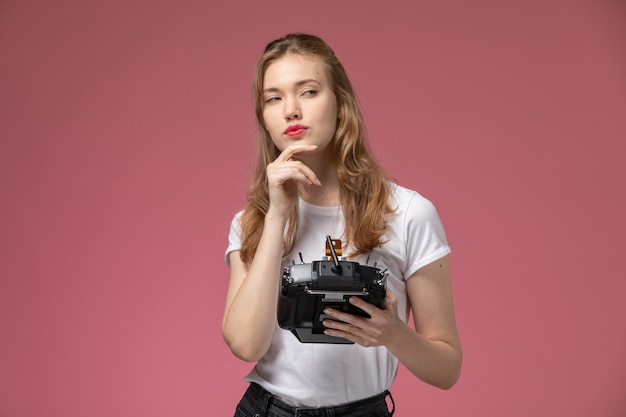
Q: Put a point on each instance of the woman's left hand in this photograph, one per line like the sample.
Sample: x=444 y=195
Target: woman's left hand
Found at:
x=378 y=330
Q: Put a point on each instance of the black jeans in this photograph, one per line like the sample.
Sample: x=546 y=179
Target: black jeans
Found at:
x=257 y=402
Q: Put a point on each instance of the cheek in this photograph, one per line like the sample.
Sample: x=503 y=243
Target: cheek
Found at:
x=267 y=122
x=333 y=118
x=334 y=113
x=271 y=130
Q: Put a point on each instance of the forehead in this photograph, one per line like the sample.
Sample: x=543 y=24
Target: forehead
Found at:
x=292 y=68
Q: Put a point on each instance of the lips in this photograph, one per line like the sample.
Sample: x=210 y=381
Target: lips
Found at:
x=295 y=130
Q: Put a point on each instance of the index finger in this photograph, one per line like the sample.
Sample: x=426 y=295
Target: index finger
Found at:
x=367 y=307
x=294 y=149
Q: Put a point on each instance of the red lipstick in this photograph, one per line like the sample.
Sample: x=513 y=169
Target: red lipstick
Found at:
x=295 y=130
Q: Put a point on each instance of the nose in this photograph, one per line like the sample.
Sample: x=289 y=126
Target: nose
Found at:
x=292 y=110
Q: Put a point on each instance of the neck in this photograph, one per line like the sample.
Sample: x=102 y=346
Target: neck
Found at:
x=328 y=193
x=325 y=196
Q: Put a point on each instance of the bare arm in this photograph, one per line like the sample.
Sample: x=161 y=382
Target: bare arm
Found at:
x=252 y=299
x=432 y=352
x=250 y=313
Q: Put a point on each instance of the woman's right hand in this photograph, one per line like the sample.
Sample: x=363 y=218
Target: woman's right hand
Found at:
x=284 y=176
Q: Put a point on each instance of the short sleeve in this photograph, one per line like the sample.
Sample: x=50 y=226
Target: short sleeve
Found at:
x=425 y=237
x=234 y=237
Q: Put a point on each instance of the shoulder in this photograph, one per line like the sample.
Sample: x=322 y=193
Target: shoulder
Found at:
x=236 y=221
x=415 y=231
x=407 y=202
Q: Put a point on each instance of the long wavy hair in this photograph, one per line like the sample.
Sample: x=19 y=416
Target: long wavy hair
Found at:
x=364 y=188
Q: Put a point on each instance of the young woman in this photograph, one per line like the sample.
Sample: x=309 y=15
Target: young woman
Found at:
x=315 y=177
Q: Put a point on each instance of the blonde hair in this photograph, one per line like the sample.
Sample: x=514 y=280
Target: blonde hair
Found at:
x=363 y=186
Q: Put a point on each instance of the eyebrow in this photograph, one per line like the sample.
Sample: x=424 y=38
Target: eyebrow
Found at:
x=298 y=84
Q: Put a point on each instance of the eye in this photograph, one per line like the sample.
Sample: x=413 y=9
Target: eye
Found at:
x=309 y=93
x=270 y=100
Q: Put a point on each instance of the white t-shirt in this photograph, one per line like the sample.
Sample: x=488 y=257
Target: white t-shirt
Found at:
x=316 y=374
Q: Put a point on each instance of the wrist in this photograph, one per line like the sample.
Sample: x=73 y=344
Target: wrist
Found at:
x=403 y=335
x=275 y=217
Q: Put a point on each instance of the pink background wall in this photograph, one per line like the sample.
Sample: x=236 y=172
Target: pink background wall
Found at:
x=126 y=131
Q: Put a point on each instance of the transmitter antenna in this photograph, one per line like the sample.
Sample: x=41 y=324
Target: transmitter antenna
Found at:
x=336 y=268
